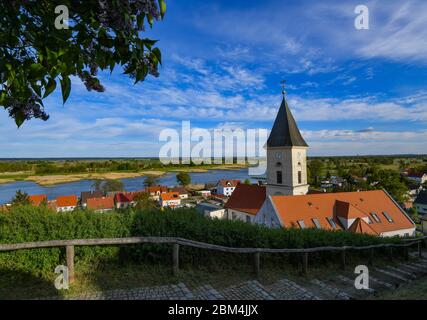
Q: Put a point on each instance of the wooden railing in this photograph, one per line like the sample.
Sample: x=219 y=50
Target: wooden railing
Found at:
x=177 y=242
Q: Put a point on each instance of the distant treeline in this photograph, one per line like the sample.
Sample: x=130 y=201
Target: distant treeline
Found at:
x=43 y=167
x=64 y=166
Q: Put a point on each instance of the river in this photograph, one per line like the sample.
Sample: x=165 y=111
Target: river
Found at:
x=8 y=190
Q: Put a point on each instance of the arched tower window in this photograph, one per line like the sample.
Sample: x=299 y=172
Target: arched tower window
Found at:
x=299 y=173
x=279 y=177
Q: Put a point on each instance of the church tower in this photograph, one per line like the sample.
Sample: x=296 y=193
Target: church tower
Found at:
x=286 y=156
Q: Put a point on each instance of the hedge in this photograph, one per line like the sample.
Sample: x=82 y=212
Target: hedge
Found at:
x=23 y=224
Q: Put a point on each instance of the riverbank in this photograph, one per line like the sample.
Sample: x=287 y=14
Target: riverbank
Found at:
x=52 y=180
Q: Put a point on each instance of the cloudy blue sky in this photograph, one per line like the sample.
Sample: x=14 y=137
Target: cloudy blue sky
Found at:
x=351 y=91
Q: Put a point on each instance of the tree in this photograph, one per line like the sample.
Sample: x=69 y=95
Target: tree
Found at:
x=108 y=185
x=183 y=178
x=315 y=167
x=247 y=181
x=391 y=181
x=150 y=181
x=414 y=214
x=144 y=201
x=20 y=199
x=39 y=50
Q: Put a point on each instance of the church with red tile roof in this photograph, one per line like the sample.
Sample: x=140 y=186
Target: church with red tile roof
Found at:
x=285 y=201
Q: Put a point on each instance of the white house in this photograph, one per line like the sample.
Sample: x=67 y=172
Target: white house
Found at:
x=183 y=193
x=170 y=199
x=245 y=202
x=418 y=177
x=211 y=210
x=66 y=203
x=371 y=212
x=226 y=187
x=204 y=193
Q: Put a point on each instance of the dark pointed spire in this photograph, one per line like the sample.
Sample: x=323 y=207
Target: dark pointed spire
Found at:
x=285 y=132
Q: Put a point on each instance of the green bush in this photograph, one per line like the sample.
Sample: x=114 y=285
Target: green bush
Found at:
x=27 y=223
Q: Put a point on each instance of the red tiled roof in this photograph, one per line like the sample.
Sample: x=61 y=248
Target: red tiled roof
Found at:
x=155 y=189
x=170 y=196
x=37 y=199
x=228 y=183
x=90 y=194
x=347 y=210
x=360 y=226
x=247 y=198
x=100 y=203
x=66 y=201
x=326 y=205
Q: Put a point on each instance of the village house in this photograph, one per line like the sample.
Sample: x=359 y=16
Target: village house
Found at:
x=124 y=200
x=373 y=212
x=204 y=193
x=245 y=202
x=66 y=203
x=286 y=201
x=170 y=199
x=420 y=203
x=211 y=210
x=102 y=204
x=85 y=195
x=226 y=187
x=156 y=191
x=183 y=193
x=419 y=177
x=38 y=199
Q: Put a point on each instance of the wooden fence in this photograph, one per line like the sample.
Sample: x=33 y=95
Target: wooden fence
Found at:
x=177 y=242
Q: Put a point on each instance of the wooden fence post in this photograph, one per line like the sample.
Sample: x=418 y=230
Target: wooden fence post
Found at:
x=406 y=253
x=175 y=259
x=343 y=259
x=420 y=253
x=391 y=253
x=69 y=252
x=371 y=256
x=257 y=263
x=304 y=263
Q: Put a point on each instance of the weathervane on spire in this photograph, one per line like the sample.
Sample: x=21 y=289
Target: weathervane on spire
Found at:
x=283 y=83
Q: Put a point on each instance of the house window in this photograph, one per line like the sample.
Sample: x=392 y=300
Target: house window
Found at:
x=375 y=216
x=248 y=219
x=301 y=224
x=331 y=222
x=316 y=223
x=279 y=177
x=387 y=216
x=299 y=177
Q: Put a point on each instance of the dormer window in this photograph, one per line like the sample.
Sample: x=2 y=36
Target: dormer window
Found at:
x=332 y=222
x=387 y=216
x=301 y=224
x=375 y=216
x=316 y=223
